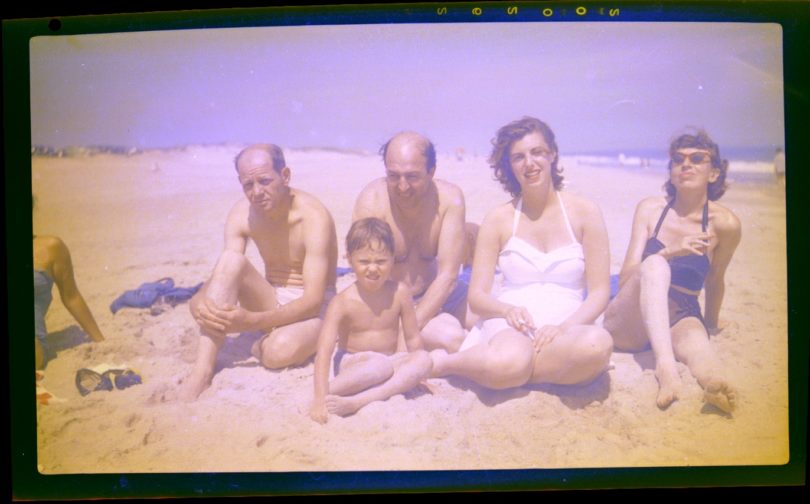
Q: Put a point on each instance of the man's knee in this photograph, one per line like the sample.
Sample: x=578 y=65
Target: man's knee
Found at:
x=231 y=263
x=281 y=349
x=444 y=331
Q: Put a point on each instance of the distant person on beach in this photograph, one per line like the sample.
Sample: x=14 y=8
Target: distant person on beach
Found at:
x=679 y=243
x=779 y=166
x=295 y=236
x=53 y=265
x=364 y=321
x=427 y=218
x=537 y=326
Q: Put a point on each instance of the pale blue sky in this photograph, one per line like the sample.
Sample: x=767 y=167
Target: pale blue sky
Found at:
x=599 y=85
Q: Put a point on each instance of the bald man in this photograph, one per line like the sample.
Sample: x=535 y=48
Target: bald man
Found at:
x=295 y=236
x=427 y=218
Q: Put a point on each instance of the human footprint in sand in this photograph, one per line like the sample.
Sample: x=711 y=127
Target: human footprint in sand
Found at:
x=295 y=235
x=363 y=321
x=679 y=243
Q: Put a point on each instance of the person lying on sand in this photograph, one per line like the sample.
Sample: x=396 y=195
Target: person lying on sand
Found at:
x=427 y=219
x=364 y=320
x=296 y=238
x=678 y=243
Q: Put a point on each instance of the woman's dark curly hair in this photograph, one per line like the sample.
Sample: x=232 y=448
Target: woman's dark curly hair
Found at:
x=502 y=143
x=700 y=140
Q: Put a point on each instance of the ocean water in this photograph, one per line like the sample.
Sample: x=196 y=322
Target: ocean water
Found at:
x=749 y=165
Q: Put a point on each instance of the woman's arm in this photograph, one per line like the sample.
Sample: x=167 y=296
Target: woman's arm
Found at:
x=638 y=237
x=487 y=247
x=597 y=264
x=729 y=233
x=62 y=269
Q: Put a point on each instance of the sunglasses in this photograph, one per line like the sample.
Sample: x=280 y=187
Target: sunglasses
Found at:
x=694 y=158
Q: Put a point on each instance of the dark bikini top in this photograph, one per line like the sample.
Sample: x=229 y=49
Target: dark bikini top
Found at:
x=688 y=271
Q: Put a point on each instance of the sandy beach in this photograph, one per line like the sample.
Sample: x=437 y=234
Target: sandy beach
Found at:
x=134 y=219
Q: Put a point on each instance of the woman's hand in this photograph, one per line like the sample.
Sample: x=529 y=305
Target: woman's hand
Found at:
x=544 y=336
x=520 y=319
x=697 y=244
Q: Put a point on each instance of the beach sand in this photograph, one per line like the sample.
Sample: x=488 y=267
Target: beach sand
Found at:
x=130 y=220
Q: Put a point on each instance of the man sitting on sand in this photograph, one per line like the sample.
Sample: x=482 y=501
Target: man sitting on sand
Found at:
x=364 y=321
x=427 y=219
x=295 y=235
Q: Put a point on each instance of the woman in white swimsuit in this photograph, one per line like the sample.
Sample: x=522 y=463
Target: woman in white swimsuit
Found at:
x=537 y=326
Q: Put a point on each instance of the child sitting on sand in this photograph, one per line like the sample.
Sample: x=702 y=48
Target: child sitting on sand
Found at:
x=364 y=320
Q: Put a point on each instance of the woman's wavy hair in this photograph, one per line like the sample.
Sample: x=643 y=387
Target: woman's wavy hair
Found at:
x=502 y=143
x=700 y=140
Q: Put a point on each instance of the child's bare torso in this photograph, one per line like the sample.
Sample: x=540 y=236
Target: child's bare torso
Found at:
x=371 y=320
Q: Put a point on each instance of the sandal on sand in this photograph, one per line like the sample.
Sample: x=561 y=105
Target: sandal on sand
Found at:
x=122 y=378
x=88 y=380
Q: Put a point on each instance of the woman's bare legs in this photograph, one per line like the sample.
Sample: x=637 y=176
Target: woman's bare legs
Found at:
x=503 y=362
x=579 y=355
x=645 y=299
x=691 y=343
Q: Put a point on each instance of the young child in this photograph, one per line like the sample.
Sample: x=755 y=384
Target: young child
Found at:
x=364 y=320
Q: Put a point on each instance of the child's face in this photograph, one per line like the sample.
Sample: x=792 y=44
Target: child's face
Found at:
x=372 y=264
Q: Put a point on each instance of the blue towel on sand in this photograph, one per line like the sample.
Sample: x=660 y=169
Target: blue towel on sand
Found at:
x=147 y=294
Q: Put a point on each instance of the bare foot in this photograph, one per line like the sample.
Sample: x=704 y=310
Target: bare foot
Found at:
x=341 y=406
x=438 y=357
x=669 y=385
x=721 y=395
x=192 y=387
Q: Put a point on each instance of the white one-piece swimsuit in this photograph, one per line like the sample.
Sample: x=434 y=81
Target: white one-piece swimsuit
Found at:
x=550 y=285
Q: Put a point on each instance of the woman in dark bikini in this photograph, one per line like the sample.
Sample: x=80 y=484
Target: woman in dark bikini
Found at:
x=679 y=244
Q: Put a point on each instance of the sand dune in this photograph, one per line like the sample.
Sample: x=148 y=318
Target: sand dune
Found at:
x=132 y=219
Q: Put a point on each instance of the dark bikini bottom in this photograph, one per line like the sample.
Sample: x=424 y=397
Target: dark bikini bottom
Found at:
x=682 y=305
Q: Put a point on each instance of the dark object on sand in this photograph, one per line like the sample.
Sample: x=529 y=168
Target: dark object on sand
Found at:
x=147 y=294
x=88 y=380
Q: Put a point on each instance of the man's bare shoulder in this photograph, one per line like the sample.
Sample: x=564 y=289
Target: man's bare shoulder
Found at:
x=240 y=209
x=374 y=195
x=238 y=217
x=377 y=188
x=449 y=193
x=310 y=206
